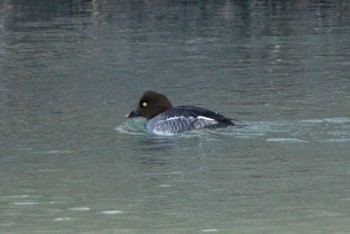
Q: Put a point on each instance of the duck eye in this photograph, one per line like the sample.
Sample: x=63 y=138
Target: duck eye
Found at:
x=144 y=104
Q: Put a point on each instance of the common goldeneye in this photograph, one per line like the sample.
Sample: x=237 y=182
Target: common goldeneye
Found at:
x=164 y=119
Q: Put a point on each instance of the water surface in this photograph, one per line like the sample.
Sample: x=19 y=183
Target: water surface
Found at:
x=70 y=161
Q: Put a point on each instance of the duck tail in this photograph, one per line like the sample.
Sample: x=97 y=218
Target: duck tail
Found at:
x=238 y=123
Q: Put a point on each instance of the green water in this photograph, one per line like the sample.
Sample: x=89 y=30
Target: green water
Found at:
x=71 y=163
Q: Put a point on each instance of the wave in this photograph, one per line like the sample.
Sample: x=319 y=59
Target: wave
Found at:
x=331 y=130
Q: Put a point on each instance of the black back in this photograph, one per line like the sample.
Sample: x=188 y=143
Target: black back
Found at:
x=192 y=111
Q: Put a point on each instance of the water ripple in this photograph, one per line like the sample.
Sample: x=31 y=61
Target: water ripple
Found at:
x=331 y=130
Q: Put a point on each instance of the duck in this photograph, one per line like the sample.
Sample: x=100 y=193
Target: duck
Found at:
x=162 y=118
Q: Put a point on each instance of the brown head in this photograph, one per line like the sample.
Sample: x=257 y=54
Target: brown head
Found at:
x=151 y=104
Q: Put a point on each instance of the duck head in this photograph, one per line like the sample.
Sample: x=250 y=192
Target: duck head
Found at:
x=150 y=104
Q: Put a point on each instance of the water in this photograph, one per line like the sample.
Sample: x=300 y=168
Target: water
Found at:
x=71 y=163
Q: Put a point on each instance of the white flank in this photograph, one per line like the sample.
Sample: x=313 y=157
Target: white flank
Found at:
x=210 y=120
x=174 y=118
x=173 y=125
